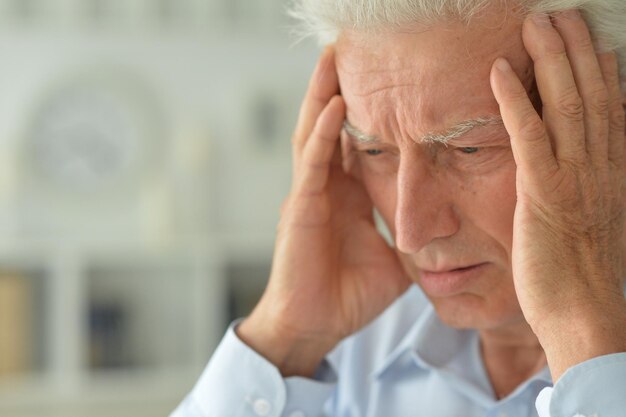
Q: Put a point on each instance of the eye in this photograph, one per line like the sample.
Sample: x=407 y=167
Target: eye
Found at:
x=469 y=149
x=373 y=152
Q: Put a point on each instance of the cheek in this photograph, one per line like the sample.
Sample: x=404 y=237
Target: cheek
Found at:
x=488 y=203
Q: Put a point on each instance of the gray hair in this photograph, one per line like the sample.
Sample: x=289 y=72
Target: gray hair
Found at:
x=325 y=19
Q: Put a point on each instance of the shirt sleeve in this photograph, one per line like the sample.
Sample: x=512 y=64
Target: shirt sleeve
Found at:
x=238 y=382
x=594 y=388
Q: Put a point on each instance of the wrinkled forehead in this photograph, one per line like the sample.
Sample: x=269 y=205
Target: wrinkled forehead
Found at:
x=436 y=70
x=430 y=54
x=437 y=49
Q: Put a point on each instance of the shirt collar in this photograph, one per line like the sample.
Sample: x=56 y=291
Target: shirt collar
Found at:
x=431 y=344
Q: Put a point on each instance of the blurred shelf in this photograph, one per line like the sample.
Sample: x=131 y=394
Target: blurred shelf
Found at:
x=171 y=310
x=171 y=306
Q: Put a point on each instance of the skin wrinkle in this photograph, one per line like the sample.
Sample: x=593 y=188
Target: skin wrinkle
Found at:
x=370 y=72
x=454 y=132
x=378 y=90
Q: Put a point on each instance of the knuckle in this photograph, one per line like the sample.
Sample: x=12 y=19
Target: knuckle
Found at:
x=318 y=95
x=315 y=164
x=518 y=95
x=326 y=137
x=554 y=54
x=584 y=44
x=531 y=127
x=599 y=101
x=570 y=105
x=554 y=48
x=611 y=75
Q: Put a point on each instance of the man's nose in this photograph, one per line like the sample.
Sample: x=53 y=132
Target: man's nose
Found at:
x=424 y=208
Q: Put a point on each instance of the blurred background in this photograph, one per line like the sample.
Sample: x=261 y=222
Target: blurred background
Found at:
x=144 y=154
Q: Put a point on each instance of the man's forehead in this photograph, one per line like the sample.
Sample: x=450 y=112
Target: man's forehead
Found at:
x=429 y=52
x=425 y=84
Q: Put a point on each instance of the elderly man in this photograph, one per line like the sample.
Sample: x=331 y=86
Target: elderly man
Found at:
x=490 y=138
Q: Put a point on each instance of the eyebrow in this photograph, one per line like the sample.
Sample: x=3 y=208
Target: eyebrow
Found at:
x=453 y=132
x=357 y=134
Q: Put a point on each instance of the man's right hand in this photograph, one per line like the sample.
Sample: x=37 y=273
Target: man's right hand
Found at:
x=332 y=271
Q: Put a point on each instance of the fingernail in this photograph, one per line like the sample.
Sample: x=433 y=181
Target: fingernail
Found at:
x=541 y=20
x=503 y=65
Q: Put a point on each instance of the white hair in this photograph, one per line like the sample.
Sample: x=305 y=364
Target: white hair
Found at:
x=325 y=19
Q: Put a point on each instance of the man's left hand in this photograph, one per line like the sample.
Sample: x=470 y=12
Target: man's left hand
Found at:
x=569 y=219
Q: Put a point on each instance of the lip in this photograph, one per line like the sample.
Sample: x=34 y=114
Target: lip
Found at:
x=450 y=281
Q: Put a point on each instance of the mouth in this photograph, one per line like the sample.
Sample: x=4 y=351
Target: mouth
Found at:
x=451 y=269
x=449 y=281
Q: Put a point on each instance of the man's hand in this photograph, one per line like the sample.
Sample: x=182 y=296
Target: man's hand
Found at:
x=332 y=271
x=569 y=218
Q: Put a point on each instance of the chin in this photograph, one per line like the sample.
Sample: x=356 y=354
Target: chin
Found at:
x=470 y=311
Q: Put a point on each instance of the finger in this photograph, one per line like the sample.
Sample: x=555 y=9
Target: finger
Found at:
x=284 y=205
x=610 y=72
x=562 y=104
x=320 y=149
x=323 y=86
x=589 y=80
x=529 y=140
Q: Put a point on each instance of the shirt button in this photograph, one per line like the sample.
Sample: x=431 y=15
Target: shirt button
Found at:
x=262 y=407
x=297 y=414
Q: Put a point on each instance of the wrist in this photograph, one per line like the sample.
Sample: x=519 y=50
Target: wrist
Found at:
x=585 y=334
x=294 y=354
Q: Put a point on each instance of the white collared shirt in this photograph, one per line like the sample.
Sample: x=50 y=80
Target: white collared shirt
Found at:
x=406 y=363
